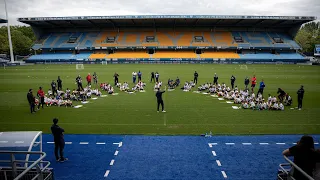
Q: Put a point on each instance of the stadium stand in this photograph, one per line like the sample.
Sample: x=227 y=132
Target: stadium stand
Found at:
x=211 y=37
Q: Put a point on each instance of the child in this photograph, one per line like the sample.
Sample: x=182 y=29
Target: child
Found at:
x=111 y=91
x=252 y=105
x=275 y=106
x=245 y=105
x=281 y=107
x=49 y=92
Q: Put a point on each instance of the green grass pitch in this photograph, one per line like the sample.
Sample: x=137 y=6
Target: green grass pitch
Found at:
x=187 y=112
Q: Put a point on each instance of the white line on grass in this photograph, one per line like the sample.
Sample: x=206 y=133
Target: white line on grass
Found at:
x=3 y=141
x=116 y=153
x=280 y=143
x=214 y=153
x=68 y=142
x=100 y=143
x=19 y=142
x=218 y=162
x=120 y=144
x=246 y=143
x=50 y=142
x=210 y=145
x=116 y=143
x=107 y=173
x=229 y=143
x=264 y=143
x=84 y=143
x=112 y=162
x=224 y=174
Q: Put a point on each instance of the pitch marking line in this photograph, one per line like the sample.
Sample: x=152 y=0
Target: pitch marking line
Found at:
x=246 y=143
x=218 y=162
x=116 y=153
x=84 y=143
x=112 y=162
x=224 y=174
x=214 y=153
x=68 y=142
x=100 y=143
x=229 y=143
x=107 y=173
x=19 y=142
x=50 y=142
x=264 y=143
x=281 y=143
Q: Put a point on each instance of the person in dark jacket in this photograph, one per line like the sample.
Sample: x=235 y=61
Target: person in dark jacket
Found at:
x=31 y=100
x=116 y=78
x=215 y=79
x=59 y=81
x=159 y=100
x=195 y=77
x=232 y=79
x=300 y=97
x=59 y=143
x=79 y=83
x=152 y=77
x=246 y=82
x=53 y=87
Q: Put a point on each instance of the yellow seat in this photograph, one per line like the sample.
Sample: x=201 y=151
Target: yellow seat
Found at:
x=219 y=55
x=129 y=54
x=97 y=56
x=174 y=54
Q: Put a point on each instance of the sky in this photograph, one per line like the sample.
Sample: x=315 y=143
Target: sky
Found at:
x=58 y=8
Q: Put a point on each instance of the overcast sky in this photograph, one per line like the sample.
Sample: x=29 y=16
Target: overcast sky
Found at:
x=43 y=8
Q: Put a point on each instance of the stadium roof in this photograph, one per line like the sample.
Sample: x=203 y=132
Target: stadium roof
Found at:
x=164 y=21
x=3 y=21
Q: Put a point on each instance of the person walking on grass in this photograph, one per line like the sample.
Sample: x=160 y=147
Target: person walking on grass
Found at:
x=59 y=81
x=59 y=143
x=88 y=79
x=300 y=97
x=95 y=78
x=31 y=100
x=160 y=100
x=41 y=97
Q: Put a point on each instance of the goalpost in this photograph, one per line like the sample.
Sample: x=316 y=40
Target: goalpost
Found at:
x=79 y=67
x=245 y=67
x=104 y=62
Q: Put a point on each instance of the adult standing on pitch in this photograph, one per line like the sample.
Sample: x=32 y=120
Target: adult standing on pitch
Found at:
x=215 y=79
x=31 y=101
x=134 y=77
x=139 y=76
x=59 y=81
x=300 y=97
x=253 y=82
x=79 y=83
x=116 y=79
x=152 y=77
x=261 y=88
x=159 y=100
x=95 y=78
x=59 y=143
x=195 y=77
x=233 y=79
x=41 y=96
x=88 y=79
x=54 y=87
x=246 y=82
x=157 y=76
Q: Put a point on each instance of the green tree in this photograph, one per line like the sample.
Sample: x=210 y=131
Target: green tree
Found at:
x=308 y=36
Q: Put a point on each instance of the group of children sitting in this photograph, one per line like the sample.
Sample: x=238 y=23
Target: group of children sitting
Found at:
x=107 y=87
x=188 y=85
x=62 y=98
x=247 y=101
x=173 y=84
x=137 y=87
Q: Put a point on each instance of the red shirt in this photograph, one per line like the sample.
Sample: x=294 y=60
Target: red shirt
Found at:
x=88 y=78
x=254 y=80
x=41 y=93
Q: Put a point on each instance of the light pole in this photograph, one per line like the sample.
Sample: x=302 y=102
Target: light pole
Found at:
x=9 y=33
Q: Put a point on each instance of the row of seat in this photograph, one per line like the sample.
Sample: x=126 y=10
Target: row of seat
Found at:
x=95 y=39
x=168 y=54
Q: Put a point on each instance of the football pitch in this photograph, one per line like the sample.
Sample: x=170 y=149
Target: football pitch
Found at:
x=187 y=113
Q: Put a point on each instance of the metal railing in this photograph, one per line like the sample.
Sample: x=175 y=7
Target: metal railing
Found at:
x=286 y=173
x=38 y=170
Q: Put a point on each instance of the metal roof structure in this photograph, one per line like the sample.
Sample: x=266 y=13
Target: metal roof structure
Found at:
x=3 y=21
x=154 y=21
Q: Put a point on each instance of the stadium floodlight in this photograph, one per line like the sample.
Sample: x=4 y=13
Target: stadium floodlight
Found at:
x=9 y=33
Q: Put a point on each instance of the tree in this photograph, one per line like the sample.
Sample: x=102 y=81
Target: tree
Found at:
x=308 y=36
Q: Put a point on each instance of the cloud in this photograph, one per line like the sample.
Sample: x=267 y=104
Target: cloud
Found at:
x=42 y=8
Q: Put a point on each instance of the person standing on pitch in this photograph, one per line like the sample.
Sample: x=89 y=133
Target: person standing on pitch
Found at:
x=300 y=97
x=261 y=88
x=233 y=79
x=41 y=96
x=152 y=77
x=31 y=101
x=246 y=82
x=139 y=76
x=53 y=87
x=59 y=81
x=95 y=78
x=215 y=79
x=59 y=143
x=88 y=79
x=116 y=79
x=79 y=83
x=157 y=76
x=195 y=77
x=134 y=77
x=159 y=100
x=253 y=82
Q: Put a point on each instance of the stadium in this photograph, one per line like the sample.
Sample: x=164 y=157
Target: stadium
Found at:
x=120 y=135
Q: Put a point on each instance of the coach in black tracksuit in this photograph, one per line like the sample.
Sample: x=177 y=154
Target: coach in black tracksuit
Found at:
x=54 y=87
x=215 y=79
x=233 y=79
x=31 y=101
x=159 y=100
x=79 y=83
x=59 y=81
x=59 y=143
x=300 y=97
x=195 y=77
x=152 y=77
x=116 y=78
